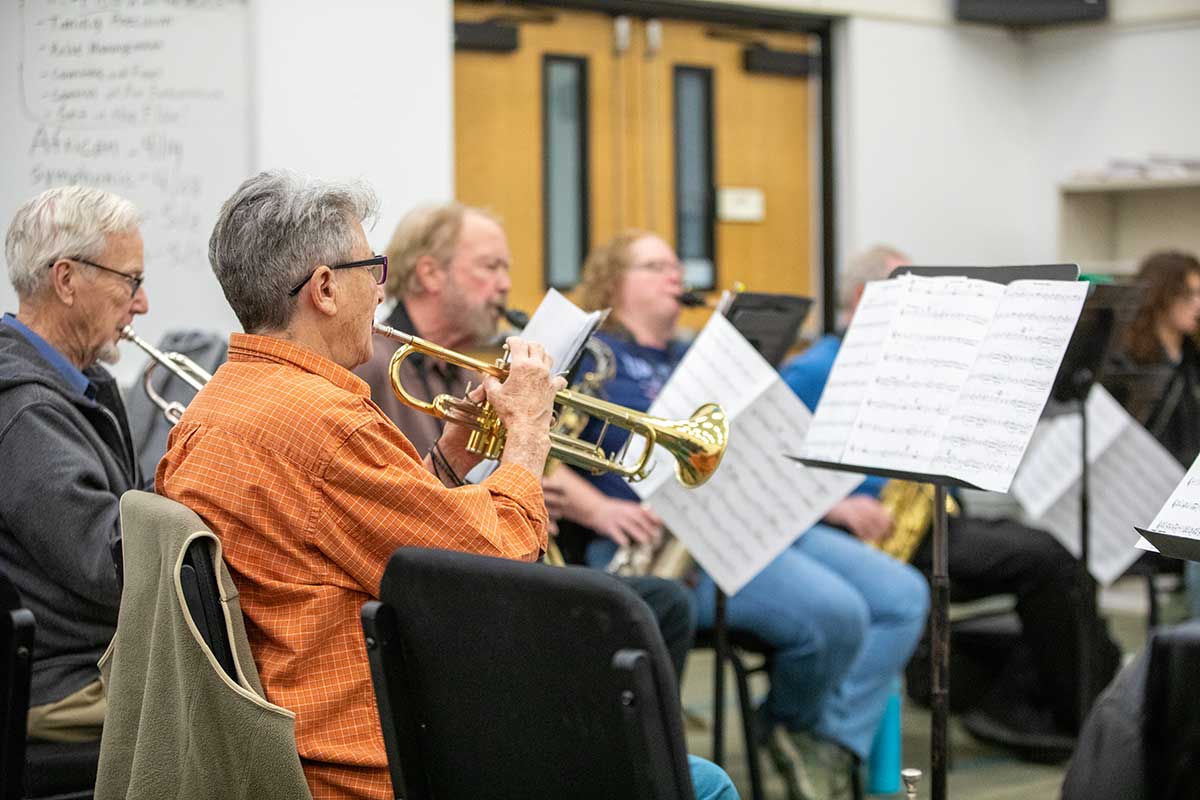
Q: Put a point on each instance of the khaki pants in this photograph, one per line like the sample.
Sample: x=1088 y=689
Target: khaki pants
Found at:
x=78 y=717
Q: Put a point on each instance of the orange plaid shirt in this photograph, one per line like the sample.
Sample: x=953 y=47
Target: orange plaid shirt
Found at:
x=310 y=489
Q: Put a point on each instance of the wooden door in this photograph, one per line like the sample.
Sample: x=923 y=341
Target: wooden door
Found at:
x=652 y=94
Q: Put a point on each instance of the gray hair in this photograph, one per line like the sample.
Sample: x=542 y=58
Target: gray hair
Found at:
x=873 y=264
x=63 y=222
x=275 y=229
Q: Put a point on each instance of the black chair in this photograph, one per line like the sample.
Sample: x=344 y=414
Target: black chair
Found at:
x=1171 y=739
x=502 y=679
x=198 y=578
x=16 y=662
x=32 y=770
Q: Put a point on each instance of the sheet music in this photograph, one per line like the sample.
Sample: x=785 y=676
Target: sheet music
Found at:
x=1010 y=382
x=561 y=327
x=851 y=376
x=1051 y=464
x=1131 y=475
x=759 y=500
x=1180 y=515
x=936 y=333
x=949 y=378
x=719 y=367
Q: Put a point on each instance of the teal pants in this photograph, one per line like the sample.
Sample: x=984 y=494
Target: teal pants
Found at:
x=710 y=781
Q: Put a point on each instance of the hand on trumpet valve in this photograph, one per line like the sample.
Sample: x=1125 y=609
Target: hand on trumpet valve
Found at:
x=525 y=399
x=454 y=438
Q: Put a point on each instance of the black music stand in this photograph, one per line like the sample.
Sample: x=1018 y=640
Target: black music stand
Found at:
x=1107 y=307
x=939 y=633
x=1172 y=546
x=770 y=323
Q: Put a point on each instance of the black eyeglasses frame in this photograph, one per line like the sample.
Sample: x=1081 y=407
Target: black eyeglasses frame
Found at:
x=380 y=261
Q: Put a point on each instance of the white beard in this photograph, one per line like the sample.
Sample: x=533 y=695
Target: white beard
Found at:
x=109 y=353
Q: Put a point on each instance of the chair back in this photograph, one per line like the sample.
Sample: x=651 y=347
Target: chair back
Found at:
x=1171 y=740
x=16 y=661
x=198 y=578
x=503 y=679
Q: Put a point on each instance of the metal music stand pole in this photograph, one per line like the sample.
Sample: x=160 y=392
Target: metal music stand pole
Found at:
x=1087 y=594
x=719 y=645
x=939 y=635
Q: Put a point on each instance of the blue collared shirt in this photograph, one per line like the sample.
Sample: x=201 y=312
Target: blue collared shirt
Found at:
x=74 y=377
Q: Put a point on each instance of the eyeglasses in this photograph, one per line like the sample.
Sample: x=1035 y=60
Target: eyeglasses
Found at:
x=378 y=265
x=135 y=281
x=661 y=265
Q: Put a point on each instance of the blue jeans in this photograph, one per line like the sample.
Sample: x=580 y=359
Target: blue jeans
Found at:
x=843 y=618
x=710 y=781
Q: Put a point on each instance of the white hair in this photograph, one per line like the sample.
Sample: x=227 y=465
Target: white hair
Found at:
x=63 y=222
x=274 y=230
x=873 y=264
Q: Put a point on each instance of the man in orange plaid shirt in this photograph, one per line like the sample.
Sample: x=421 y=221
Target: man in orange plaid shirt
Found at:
x=309 y=486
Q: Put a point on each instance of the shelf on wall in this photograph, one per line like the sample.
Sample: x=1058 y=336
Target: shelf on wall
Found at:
x=1130 y=184
x=1117 y=223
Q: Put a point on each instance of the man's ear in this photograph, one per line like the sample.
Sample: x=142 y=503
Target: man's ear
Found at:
x=430 y=275
x=64 y=279
x=321 y=291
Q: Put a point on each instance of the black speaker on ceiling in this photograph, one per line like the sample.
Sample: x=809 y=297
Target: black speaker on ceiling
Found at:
x=1030 y=13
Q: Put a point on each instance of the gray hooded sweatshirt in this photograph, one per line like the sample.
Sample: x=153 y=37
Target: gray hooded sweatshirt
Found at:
x=65 y=461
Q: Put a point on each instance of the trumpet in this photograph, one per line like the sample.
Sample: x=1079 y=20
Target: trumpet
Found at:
x=180 y=366
x=697 y=443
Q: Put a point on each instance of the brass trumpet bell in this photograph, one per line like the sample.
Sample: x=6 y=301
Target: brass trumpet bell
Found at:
x=697 y=443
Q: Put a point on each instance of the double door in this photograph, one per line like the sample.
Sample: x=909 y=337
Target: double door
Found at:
x=577 y=125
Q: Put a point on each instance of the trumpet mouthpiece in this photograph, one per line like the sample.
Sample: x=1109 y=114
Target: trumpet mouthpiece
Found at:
x=391 y=333
x=691 y=300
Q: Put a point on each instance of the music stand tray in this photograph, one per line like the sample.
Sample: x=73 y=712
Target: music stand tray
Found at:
x=769 y=322
x=1172 y=546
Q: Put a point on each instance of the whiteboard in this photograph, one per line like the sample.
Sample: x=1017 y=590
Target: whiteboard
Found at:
x=150 y=99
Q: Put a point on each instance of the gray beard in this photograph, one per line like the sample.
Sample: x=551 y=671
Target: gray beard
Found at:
x=109 y=353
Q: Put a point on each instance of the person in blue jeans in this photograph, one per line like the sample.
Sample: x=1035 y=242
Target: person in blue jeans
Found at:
x=843 y=618
x=709 y=782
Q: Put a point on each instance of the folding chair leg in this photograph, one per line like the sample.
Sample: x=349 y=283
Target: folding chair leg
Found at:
x=1152 y=595
x=746 y=705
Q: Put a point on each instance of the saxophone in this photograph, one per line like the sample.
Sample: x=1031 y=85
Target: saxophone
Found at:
x=911 y=507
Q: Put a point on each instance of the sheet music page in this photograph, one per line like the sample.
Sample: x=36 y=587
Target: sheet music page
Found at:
x=933 y=344
x=1010 y=382
x=1129 y=479
x=1051 y=463
x=561 y=327
x=759 y=501
x=1180 y=516
x=719 y=367
x=861 y=349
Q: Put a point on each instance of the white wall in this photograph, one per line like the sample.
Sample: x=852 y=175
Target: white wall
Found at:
x=954 y=138
x=1099 y=93
x=359 y=88
x=935 y=143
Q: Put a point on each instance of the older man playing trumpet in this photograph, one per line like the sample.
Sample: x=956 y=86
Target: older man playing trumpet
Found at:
x=75 y=259
x=309 y=486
